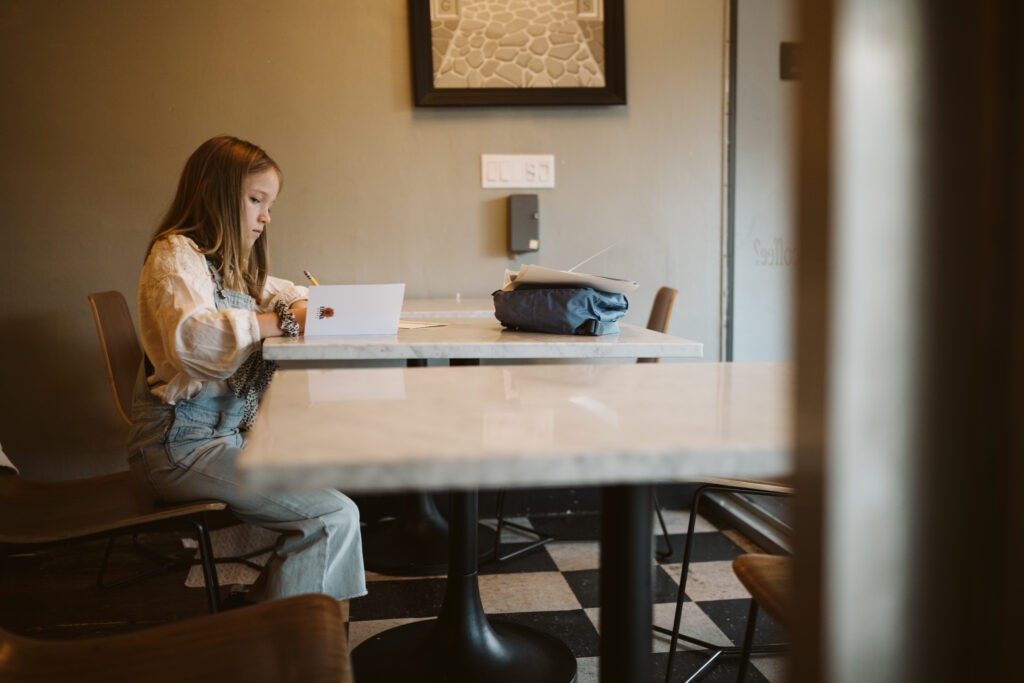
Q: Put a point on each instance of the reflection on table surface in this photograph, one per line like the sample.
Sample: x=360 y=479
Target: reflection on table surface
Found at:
x=501 y=426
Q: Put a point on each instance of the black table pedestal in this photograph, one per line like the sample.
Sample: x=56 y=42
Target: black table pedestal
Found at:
x=625 y=583
x=462 y=644
x=414 y=543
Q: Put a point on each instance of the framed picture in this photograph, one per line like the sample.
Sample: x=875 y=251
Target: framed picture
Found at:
x=517 y=52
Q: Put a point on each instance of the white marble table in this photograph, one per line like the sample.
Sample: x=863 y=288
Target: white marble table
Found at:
x=620 y=426
x=476 y=337
x=520 y=426
x=415 y=540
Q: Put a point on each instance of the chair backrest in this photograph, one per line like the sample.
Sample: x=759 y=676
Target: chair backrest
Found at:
x=299 y=638
x=120 y=345
x=661 y=312
x=661 y=309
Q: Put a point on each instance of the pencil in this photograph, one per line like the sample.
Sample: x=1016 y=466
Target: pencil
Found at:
x=310 y=278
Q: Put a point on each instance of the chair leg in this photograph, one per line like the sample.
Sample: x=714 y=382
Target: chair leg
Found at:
x=163 y=562
x=661 y=555
x=246 y=558
x=684 y=572
x=748 y=641
x=496 y=555
x=499 y=515
x=206 y=557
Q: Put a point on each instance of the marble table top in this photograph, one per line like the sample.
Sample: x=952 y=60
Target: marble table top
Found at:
x=473 y=307
x=481 y=337
x=489 y=426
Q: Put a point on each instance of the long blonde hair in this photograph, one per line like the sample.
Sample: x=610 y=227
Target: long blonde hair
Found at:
x=207 y=208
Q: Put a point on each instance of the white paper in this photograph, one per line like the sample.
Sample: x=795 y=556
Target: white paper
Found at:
x=539 y=275
x=416 y=324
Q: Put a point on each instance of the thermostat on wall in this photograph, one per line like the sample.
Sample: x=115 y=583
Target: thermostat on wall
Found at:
x=523 y=223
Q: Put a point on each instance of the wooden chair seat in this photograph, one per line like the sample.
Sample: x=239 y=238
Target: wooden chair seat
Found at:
x=293 y=639
x=767 y=578
x=41 y=513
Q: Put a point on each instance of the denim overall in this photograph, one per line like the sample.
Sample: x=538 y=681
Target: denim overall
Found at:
x=188 y=451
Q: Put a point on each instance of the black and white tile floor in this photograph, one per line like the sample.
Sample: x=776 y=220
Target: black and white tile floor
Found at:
x=555 y=589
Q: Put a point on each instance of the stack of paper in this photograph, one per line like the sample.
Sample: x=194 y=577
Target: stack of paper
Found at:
x=539 y=275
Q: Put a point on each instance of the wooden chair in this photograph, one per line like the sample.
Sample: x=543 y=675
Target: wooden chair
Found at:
x=122 y=358
x=300 y=639
x=35 y=514
x=767 y=577
x=715 y=651
x=661 y=313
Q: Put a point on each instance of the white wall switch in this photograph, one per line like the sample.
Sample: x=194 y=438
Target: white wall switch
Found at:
x=517 y=170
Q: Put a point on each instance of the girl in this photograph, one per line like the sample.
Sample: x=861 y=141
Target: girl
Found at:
x=205 y=303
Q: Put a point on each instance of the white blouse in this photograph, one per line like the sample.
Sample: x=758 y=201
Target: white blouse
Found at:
x=184 y=335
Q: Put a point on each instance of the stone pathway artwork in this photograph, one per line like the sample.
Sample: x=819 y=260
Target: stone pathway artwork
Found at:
x=517 y=44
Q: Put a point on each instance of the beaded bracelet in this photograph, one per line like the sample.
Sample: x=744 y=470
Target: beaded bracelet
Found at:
x=288 y=324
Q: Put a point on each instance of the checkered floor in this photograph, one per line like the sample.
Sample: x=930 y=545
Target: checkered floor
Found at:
x=555 y=589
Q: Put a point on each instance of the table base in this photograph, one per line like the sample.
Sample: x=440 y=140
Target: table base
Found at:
x=503 y=653
x=462 y=645
x=415 y=543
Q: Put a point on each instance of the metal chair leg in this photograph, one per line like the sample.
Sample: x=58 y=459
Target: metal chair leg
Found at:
x=210 y=577
x=661 y=555
x=681 y=593
x=164 y=563
x=246 y=558
x=496 y=555
x=748 y=641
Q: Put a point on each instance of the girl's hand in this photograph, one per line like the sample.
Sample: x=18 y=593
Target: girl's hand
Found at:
x=270 y=324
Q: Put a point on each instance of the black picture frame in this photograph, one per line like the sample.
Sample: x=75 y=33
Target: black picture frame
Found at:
x=426 y=94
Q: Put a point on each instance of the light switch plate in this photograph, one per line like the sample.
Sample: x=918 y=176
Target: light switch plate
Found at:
x=517 y=170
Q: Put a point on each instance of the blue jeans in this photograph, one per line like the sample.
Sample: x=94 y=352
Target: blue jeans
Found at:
x=189 y=451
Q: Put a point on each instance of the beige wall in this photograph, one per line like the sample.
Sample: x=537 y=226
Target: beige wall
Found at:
x=765 y=250
x=104 y=99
